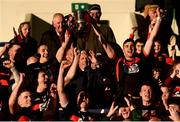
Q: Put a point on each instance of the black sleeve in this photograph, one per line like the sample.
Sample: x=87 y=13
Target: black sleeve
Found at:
x=66 y=113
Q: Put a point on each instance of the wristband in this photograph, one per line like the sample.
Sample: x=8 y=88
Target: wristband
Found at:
x=159 y=18
x=13 y=69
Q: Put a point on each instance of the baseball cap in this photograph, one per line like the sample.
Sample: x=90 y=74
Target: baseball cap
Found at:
x=94 y=7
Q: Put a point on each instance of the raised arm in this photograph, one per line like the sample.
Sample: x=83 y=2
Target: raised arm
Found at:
x=15 y=74
x=61 y=50
x=93 y=59
x=153 y=32
x=13 y=96
x=112 y=110
x=3 y=50
x=169 y=79
x=72 y=70
x=133 y=30
x=63 y=99
x=107 y=47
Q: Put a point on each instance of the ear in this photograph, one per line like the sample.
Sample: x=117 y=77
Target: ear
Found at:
x=19 y=100
x=19 y=29
x=140 y=93
x=100 y=14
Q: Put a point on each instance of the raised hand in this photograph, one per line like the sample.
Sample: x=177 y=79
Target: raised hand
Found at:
x=99 y=35
x=107 y=47
x=165 y=97
x=133 y=30
x=92 y=57
x=67 y=36
x=72 y=70
x=129 y=102
x=76 y=52
x=174 y=114
x=176 y=72
x=8 y=64
x=4 y=48
x=158 y=12
x=53 y=90
x=112 y=109
x=158 y=18
x=65 y=64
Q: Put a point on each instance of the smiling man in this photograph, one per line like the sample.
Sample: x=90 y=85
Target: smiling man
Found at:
x=130 y=68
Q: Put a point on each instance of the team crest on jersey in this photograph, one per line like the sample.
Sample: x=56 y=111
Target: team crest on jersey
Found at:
x=134 y=68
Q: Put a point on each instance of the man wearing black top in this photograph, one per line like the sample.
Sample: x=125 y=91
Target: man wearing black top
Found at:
x=53 y=38
x=129 y=69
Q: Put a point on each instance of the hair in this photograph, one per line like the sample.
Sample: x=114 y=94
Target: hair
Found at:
x=57 y=15
x=140 y=40
x=174 y=100
x=128 y=40
x=120 y=101
x=22 y=24
x=149 y=7
x=153 y=7
x=38 y=48
x=157 y=69
x=84 y=52
x=157 y=40
x=147 y=83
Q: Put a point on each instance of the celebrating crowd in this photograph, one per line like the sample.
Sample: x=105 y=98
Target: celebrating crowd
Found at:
x=78 y=72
